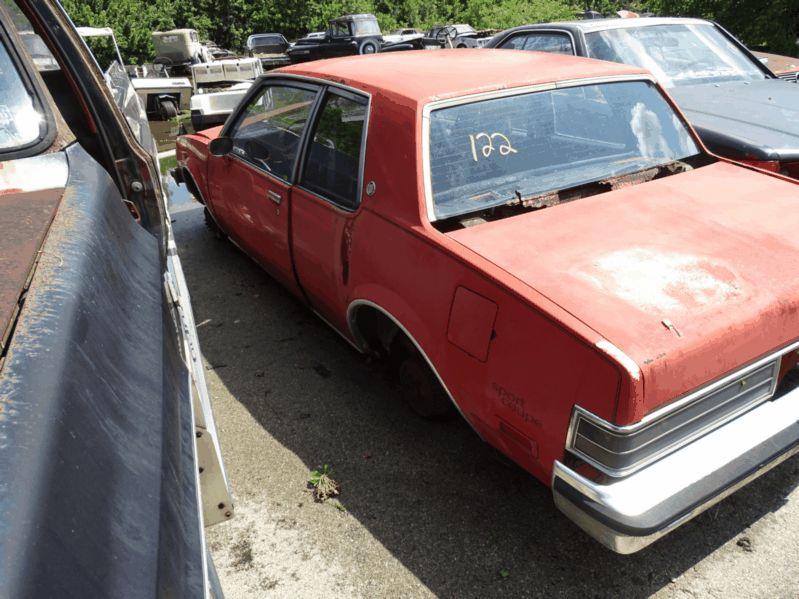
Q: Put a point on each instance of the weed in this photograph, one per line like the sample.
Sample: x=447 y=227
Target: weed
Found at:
x=323 y=485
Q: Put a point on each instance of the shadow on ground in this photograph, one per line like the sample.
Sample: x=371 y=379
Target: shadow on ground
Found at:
x=433 y=494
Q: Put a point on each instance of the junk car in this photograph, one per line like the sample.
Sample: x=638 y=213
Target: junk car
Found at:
x=737 y=105
x=109 y=461
x=459 y=35
x=542 y=244
x=345 y=36
x=269 y=48
x=784 y=67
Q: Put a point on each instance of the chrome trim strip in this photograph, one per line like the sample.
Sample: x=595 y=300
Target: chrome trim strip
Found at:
x=492 y=95
x=688 y=469
x=671 y=409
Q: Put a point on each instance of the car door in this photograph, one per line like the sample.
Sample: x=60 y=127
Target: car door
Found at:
x=252 y=188
x=341 y=40
x=556 y=42
x=325 y=201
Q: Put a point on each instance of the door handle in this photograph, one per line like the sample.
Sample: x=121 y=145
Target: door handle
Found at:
x=274 y=196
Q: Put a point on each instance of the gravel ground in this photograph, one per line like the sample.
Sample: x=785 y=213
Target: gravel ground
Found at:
x=426 y=509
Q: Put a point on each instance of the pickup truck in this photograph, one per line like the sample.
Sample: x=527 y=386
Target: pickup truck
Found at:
x=110 y=467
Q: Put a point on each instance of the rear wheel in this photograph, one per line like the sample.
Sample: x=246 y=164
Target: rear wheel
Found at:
x=211 y=225
x=419 y=385
x=167 y=109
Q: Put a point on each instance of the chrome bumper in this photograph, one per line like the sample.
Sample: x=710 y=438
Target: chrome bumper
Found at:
x=629 y=513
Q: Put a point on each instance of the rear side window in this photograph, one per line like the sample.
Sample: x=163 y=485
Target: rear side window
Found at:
x=556 y=43
x=334 y=156
x=270 y=128
x=22 y=120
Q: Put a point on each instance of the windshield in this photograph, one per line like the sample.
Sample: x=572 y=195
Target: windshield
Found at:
x=491 y=152
x=21 y=124
x=365 y=27
x=266 y=40
x=681 y=54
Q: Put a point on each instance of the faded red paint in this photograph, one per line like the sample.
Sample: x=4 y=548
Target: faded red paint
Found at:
x=619 y=302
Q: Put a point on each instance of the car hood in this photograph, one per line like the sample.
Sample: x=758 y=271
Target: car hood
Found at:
x=30 y=191
x=689 y=277
x=758 y=120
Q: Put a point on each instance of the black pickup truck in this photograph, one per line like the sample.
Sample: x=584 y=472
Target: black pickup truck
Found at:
x=346 y=36
x=109 y=462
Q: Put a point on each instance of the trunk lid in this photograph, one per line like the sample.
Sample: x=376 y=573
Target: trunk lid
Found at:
x=691 y=276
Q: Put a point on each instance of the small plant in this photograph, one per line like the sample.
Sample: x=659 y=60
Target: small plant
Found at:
x=504 y=572
x=322 y=484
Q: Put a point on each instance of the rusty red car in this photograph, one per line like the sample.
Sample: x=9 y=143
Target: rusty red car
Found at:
x=542 y=242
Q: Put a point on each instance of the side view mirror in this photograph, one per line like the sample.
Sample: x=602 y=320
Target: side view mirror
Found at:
x=220 y=146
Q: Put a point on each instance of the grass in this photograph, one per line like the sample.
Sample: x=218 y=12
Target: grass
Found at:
x=322 y=484
x=166 y=163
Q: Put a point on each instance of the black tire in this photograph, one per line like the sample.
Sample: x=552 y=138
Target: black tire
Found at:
x=369 y=47
x=211 y=225
x=167 y=109
x=420 y=387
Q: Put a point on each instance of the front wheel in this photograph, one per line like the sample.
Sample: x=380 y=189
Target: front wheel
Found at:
x=369 y=47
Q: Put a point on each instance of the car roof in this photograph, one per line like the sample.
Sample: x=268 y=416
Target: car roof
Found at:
x=589 y=25
x=417 y=77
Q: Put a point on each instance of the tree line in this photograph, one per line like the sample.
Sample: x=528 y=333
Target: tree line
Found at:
x=772 y=25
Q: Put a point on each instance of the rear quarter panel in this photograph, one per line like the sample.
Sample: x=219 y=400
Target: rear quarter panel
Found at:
x=519 y=395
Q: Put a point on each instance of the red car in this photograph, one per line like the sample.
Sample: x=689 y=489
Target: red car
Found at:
x=543 y=242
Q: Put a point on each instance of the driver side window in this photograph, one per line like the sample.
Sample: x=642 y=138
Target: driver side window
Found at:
x=269 y=129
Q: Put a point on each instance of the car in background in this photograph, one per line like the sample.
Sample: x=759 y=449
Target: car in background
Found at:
x=737 y=105
x=270 y=48
x=162 y=96
x=110 y=467
x=541 y=243
x=403 y=35
x=345 y=36
x=784 y=67
x=459 y=35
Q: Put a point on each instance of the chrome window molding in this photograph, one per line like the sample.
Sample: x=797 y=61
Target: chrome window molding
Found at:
x=472 y=98
x=691 y=400
x=527 y=32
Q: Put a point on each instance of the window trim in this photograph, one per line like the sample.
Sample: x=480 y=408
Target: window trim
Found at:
x=255 y=91
x=353 y=95
x=26 y=72
x=527 y=32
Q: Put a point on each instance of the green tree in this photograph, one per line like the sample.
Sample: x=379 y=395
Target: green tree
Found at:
x=773 y=25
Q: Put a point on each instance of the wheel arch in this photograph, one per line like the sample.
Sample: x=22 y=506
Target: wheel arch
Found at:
x=358 y=305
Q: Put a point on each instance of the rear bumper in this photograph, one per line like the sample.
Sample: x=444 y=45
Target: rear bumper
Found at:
x=629 y=513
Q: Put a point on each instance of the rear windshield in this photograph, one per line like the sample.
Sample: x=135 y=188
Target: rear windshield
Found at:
x=491 y=152
x=21 y=124
x=683 y=54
